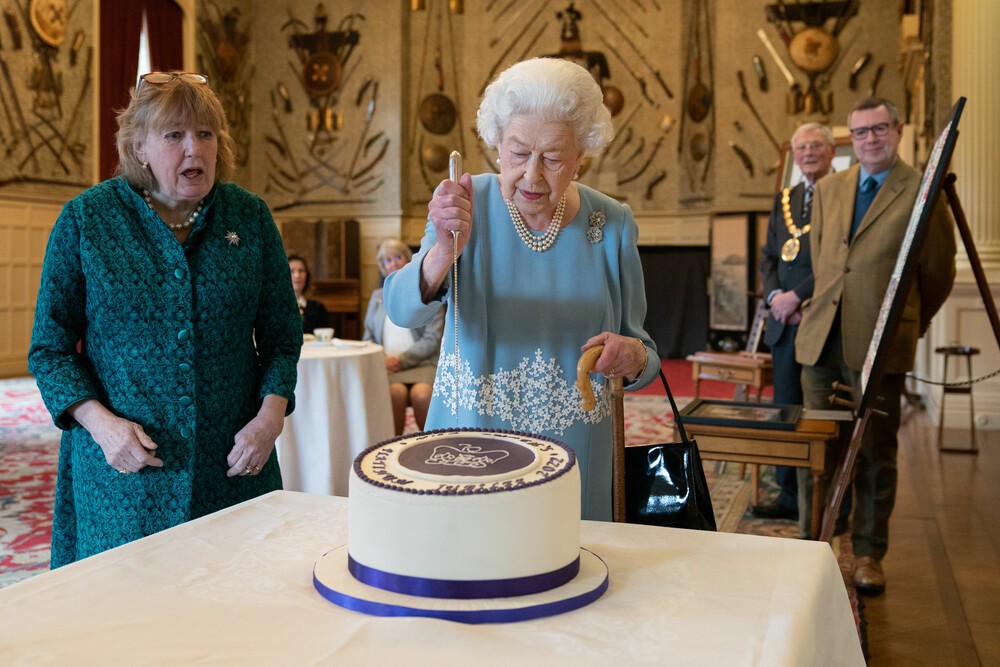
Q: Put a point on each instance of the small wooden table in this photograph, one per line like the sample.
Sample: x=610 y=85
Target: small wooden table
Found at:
x=805 y=447
x=748 y=369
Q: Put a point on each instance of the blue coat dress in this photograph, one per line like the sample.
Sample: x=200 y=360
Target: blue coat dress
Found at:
x=183 y=339
x=522 y=317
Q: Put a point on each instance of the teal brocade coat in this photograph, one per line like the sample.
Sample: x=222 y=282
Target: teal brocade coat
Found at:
x=183 y=339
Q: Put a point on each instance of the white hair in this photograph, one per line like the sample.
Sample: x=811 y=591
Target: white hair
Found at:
x=817 y=127
x=553 y=89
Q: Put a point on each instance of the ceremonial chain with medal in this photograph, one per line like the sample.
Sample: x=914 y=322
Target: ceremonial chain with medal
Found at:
x=790 y=250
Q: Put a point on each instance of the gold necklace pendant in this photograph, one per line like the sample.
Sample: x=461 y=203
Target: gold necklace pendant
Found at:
x=792 y=246
x=790 y=250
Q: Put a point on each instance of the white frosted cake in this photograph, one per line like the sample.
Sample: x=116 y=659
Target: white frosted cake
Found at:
x=475 y=526
x=465 y=505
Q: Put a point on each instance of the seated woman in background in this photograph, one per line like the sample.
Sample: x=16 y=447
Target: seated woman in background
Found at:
x=314 y=314
x=411 y=355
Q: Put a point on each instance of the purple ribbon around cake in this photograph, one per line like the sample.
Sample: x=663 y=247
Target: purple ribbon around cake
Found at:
x=463 y=590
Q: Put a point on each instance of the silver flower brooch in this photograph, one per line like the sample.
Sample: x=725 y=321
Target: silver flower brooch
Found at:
x=595 y=229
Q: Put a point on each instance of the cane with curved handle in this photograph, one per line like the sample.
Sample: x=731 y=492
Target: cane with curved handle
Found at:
x=583 y=369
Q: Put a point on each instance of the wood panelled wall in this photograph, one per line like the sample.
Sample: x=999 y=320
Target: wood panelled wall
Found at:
x=24 y=231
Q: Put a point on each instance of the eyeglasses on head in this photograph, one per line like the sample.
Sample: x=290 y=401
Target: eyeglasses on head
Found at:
x=160 y=78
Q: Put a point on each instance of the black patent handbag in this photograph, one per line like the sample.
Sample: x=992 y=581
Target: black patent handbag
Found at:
x=665 y=483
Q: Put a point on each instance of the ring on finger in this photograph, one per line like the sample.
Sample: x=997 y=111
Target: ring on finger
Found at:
x=247 y=470
x=122 y=471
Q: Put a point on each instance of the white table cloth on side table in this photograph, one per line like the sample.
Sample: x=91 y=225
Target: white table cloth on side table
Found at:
x=235 y=588
x=342 y=406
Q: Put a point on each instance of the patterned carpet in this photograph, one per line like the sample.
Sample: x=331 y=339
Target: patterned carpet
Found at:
x=29 y=449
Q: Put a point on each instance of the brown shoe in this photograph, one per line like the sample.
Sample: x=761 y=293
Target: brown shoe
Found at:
x=868 y=576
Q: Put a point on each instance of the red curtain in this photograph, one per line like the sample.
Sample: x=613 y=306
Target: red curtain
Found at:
x=121 y=23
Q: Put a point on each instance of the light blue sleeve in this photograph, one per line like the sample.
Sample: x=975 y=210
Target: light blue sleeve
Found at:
x=633 y=295
x=403 y=301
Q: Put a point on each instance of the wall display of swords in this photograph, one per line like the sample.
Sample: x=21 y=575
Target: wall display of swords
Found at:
x=325 y=141
x=436 y=127
x=224 y=56
x=800 y=61
x=626 y=47
x=46 y=70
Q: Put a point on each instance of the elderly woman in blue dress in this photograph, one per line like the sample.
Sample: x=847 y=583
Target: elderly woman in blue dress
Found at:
x=547 y=267
x=411 y=355
x=166 y=331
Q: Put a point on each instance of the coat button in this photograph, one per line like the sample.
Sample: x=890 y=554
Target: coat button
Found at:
x=180 y=274
x=847 y=269
x=184 y=367
x=185 y=400
x=186 y=432
x=183 y=334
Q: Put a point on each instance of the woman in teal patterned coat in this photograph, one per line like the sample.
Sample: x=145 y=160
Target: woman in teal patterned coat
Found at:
x=166 y=331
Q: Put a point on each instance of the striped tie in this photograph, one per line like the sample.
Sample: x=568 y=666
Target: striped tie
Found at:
x=807 y=204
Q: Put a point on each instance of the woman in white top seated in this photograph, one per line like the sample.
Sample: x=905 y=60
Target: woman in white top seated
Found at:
x=411 y=355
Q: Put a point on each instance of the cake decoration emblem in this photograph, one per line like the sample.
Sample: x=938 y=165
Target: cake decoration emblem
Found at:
x=465 y=456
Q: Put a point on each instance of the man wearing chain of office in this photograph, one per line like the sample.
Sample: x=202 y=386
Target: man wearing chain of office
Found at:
x=786 y=270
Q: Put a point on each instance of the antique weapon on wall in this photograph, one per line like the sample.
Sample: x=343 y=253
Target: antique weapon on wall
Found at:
x=16 y=104
x=645 y=166
x=437 y=112
x=856 y=68
x=743 y=156
x=699 y=96
x=653 y=182
x=745 y=96
x=630 y=40
x=645 y=61
x=875 y=80
x=420 y=75
x=813 y=49
x=285 y=97
x=631 y=70
x=510 y=47
x=374 y=162
x=74 y=49
x=627 y=137
x=793 y=98
x=636 y=152
x=758 y=68
x=457 y=81
x=15 y=29
x=369 y=114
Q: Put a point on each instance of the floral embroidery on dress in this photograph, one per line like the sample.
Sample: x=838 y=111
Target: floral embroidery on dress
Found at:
x=595 y=230
x=534 y=396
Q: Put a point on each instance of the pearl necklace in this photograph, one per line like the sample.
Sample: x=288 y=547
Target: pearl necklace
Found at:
x=191 y=219
x=545 y=241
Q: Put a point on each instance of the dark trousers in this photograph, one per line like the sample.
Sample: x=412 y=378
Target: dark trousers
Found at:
x=787 y=391
x=875 y=468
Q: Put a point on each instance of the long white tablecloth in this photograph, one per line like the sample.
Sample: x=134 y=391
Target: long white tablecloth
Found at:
x=342 y=406
x=235 y=588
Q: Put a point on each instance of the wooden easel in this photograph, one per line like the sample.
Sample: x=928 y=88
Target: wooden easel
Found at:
x=845 y=469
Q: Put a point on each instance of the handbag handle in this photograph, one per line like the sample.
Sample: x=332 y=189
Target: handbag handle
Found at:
x=673 y=406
